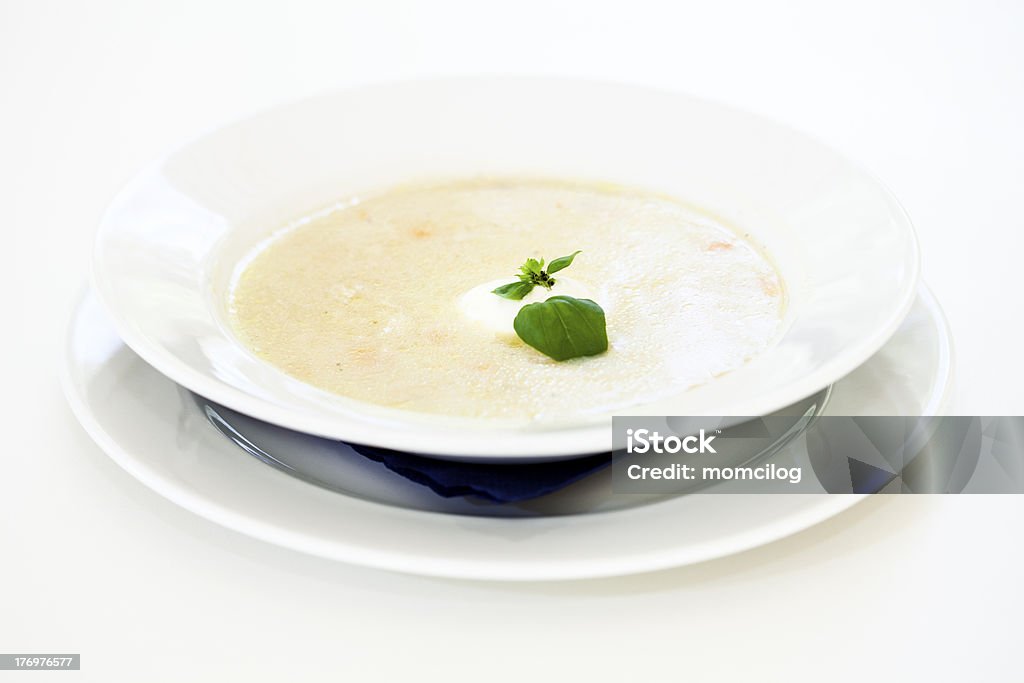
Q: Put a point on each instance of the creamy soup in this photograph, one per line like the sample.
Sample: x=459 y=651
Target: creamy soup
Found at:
x=386 y=298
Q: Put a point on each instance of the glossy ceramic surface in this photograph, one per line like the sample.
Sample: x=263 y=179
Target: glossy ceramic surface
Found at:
x=157 y=432
x=170 y=243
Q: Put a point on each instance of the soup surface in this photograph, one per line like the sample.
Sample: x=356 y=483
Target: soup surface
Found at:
x=386 y=298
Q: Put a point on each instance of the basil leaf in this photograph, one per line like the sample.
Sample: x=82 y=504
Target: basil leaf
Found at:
x=514 y=290
x=532 y=266
x=563 y=327
x=561 y=262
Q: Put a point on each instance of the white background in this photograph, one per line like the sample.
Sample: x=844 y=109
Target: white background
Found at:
x=930 y=96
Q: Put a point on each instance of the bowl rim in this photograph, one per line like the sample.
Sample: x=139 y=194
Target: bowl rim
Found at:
x=518 y=444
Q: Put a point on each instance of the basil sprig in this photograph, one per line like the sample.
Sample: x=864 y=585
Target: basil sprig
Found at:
x=532 y=274
x=563 y=327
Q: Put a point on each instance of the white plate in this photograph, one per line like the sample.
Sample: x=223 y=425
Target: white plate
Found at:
x=154 y=430
x=170 y=242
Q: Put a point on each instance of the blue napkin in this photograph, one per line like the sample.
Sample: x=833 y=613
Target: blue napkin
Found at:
x=496 y=483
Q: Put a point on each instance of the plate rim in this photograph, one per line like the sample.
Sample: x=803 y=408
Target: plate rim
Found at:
x=820 y=506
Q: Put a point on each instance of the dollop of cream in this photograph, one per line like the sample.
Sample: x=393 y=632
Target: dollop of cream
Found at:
x=497 y=313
